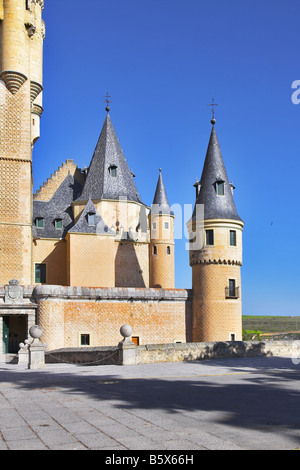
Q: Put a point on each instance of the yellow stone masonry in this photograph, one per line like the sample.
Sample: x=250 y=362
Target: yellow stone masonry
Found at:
x=21 y=72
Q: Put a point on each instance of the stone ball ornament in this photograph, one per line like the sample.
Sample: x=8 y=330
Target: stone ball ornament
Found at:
x=126 y=331
x=36 y=332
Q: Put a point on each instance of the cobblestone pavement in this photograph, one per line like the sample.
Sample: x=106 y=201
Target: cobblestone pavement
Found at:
x=248 y=403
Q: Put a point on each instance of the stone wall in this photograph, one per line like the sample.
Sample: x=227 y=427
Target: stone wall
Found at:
x=177 y=352
x=155 y=315
x=214 y=350
x=88 y=356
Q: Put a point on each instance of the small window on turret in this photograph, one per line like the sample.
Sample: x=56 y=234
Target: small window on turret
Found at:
x=113 y=171
x=232 y=238
x=209 y=237
x=155 y=250
x=220 y=188
x=168 y=250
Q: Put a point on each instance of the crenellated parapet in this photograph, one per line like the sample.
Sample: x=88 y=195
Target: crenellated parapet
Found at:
x=48 y=188
x=196 y=258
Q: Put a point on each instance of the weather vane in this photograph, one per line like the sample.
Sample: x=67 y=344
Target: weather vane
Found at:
x=107 y=101
x=213 y=121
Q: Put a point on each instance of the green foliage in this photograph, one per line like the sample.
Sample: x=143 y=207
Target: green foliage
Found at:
x=249 y=335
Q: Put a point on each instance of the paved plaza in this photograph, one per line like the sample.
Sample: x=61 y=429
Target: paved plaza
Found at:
x=239 y=403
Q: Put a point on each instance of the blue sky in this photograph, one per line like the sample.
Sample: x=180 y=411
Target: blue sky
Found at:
x=162 y=61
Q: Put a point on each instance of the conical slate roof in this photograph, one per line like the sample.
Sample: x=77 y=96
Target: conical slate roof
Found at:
x=214 y=171
x=160 y=203
x=108 y=175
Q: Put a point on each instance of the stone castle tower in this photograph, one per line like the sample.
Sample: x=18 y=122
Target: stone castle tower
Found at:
x=86 y=235
x=216 y=253
x=161 y=252
x=22 y=35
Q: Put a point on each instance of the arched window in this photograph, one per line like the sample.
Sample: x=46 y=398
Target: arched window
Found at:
x=168 y=250
x=155 y=250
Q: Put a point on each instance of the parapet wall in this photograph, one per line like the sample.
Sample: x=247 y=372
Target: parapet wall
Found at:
x=177 y=352
x=214 y=350
x=67 y=313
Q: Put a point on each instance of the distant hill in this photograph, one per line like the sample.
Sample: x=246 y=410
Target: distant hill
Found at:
x=287 y=327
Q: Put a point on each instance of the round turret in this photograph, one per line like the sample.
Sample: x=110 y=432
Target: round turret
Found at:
x=216 y=253
x=162 y=246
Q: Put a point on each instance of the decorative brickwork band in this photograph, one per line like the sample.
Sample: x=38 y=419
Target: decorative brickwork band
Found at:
x=196 y=259
x=13 y=80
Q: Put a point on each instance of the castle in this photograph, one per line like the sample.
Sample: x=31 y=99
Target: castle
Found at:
x=84 y=254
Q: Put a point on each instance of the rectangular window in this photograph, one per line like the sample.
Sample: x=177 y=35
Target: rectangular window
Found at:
x=167 y=225
x=232 y=291
x=40 y=273
x=113 y=171
x=135 y=340
x=232 y=238
x=209 y=237
x=39 y=222
x=220 y=188
x=58 y=224
x=154 y=226
x=91 y=218
x=85 y=340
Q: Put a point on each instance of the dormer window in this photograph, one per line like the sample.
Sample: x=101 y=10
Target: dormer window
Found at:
x=39 y=222
x=58 y=224
x=113 y=171
x=220 y=189
x=91 y=218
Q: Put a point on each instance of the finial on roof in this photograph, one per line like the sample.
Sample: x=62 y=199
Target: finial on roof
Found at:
x=107 y=101
x=213 y=121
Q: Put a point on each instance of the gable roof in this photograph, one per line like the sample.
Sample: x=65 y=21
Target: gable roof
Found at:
x=100 y=184
x=83 y=226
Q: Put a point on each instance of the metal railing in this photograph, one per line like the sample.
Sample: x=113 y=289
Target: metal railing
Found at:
x=232 y=292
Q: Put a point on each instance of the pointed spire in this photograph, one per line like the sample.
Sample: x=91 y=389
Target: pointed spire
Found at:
x=109 y=176
x=160 y=203
x=215 y=191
